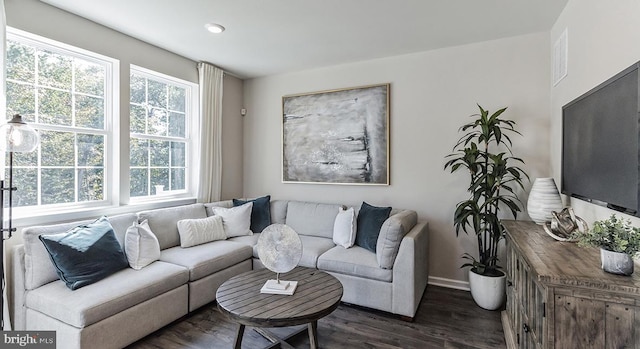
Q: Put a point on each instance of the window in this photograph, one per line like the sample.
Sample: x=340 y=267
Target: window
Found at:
x=65 y=93
x=160 y=142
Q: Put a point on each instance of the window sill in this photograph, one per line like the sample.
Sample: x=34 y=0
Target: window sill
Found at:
x=74 y=214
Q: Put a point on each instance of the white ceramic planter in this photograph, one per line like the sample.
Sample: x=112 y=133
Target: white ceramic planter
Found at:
x=488 y=291
x=543 y=198
x=616 y=262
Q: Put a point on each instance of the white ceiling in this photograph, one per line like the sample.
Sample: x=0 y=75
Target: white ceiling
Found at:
x=266 y=37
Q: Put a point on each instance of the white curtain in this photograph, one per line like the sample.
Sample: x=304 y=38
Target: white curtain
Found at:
x=3 y=102
x=210 y=179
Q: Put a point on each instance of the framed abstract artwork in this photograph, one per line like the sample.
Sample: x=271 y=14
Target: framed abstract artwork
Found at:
x=336 y=137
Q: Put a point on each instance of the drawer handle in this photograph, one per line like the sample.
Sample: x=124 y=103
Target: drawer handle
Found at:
x=526 y=328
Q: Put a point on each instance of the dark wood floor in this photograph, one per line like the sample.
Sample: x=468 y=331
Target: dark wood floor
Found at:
x=446 y=319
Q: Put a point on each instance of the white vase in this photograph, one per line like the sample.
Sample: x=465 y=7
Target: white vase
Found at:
x=543 y=198
x=488 y=291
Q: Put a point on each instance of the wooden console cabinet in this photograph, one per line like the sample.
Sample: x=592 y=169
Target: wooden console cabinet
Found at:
x=559 y=297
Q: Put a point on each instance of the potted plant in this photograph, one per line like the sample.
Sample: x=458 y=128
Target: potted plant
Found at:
x=484 y=150
x=618 y=241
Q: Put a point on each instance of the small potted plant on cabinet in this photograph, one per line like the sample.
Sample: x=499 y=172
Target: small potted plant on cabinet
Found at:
x=618 y=241
x=484 y=151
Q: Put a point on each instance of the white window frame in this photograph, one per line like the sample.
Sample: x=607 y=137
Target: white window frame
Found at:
x=112 y=126
x=192 y=136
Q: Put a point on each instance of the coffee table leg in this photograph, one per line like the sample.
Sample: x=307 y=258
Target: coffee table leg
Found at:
x=237 y=344
x=313 y=335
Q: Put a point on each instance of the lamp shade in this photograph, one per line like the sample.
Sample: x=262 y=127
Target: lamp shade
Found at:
x=18 y=137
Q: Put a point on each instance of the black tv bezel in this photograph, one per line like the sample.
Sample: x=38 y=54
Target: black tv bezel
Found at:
x=627 y=210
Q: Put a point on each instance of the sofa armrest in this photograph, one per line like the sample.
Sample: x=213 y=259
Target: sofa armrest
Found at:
x=18 y=291
x=411 y=271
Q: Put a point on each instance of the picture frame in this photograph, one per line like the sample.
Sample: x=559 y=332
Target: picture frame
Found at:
x=337 y=136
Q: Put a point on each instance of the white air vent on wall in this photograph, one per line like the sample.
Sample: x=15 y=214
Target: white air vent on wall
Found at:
x=560 y=49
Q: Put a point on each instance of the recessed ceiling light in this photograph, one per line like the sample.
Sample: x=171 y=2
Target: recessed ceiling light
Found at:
x=214 y=28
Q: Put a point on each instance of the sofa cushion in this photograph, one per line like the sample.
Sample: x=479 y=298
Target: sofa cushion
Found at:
x=279 y=211
x=355 y=261
x=236 y=220
x=164 y=222
x=312 y=248
x=308 y=218
x=249 y=240
x=86 y=253
x=107 y=297
x=391 y=234
x=141 y=245
x=344 y=228
x=260 y=212
x=370 y=220
x=38 y=267
x=204 y=260
x=199 y=231
x=209 y=206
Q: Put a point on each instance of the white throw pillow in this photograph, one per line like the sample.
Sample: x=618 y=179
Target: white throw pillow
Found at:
x=236 y=220
x=344 y=227
x=141 y=245
x=199 y=231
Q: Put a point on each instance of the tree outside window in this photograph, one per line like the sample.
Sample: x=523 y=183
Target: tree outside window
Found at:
x=159 y=138
x=63 y=95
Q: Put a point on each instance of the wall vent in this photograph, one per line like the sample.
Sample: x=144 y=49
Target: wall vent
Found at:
x=560 y=49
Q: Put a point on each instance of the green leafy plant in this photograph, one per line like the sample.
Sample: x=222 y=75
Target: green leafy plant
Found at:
x=485 y=151
x=613 y=234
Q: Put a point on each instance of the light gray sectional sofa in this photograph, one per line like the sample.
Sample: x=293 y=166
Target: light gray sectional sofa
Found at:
x=130 y=304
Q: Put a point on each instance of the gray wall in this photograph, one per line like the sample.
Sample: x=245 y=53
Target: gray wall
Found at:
x=432 y=95
x=604 y=39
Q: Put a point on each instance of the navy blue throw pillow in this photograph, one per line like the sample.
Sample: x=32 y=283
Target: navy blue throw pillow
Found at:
x=260 y=213
x=370 y=220
x=86 y=253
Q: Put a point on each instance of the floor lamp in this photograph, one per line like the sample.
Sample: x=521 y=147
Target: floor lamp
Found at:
x=15 y=137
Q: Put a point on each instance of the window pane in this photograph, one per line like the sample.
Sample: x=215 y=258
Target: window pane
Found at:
x=138 y=152
x=55 y=107
x=177 y=125
x=138 y=90
x=176 y=98
x=157 y=122
x=90 y=150
x=178 y=154
x=57 y=148
x=160 y=176
x=57 y=186
x=89 y=112
x=21 y=100
x=54 y=70
x=159 y=153
x=177 y=179
x=138 y=118
x=89 y=77
x=90 y=184
x=20 y=62
x=139 y=184
x=23 y=159
x=157 y=94
x=27 y=193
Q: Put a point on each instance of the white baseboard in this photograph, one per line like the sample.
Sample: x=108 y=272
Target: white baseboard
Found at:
x=449 y=283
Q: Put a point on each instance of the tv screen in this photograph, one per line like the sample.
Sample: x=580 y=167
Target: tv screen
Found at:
x=600 y=144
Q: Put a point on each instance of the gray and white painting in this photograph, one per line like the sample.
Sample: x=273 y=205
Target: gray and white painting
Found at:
x=337 y=136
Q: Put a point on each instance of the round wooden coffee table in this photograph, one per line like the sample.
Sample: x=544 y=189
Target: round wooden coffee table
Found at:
x=317 y=295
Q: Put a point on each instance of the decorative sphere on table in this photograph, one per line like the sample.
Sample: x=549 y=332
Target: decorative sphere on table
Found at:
x=279 y=248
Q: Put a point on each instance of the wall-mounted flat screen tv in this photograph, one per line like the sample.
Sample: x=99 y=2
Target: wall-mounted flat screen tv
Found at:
x=600 y=144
